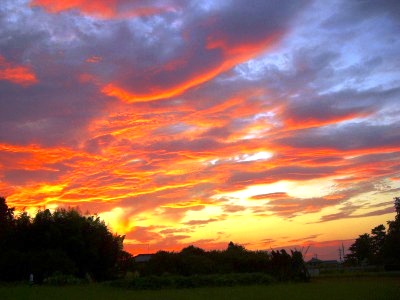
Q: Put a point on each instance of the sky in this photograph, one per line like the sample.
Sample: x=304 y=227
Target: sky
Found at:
x=266 y=123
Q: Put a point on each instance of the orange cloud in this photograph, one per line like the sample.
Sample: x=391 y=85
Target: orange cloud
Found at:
x=230 y=56
x=114 y=90
x=16 y=74
x=294 y=123
x=164 y=161
x=225 y=146
x=107 y=9
x=170 y=175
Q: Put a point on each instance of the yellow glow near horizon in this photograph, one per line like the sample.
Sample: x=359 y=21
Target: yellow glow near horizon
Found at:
x=46 y=188
x=303 y=189
x=201 y=134
x=118 y=219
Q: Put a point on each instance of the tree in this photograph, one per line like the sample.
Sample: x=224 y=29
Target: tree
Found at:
x=391 y=247
x=6 y=213
x=6 y=220
x=361 y=250
x=61 y=241
x=378 y=236
x=192 y=250
x=281 y=264
x=299 y=269
x=379 y=247
x=235 y=247
x=397 y=207
x=234 y=259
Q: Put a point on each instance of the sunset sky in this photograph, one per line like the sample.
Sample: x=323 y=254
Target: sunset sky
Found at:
x=267 y=123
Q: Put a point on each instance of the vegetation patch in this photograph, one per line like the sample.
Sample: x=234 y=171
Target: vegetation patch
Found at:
x=375 y=288
x=195 y=281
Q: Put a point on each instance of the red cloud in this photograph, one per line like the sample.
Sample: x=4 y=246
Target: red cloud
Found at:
x=169 y=161
x=17 y=74
x=107 y=9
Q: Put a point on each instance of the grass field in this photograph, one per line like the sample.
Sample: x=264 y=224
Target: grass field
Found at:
x=326 y=289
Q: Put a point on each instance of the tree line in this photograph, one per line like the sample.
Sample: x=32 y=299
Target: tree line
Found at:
x=234 y=259
x=380 y=247
x=67 y=242
x=63 y=241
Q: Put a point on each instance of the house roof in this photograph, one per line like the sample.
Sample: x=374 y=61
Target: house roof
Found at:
x=319 y=261
x=143 y=257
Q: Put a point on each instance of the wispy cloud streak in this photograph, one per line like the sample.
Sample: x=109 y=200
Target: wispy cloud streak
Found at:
x=181 y=121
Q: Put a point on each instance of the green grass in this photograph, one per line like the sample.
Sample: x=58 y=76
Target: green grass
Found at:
x=334 y=288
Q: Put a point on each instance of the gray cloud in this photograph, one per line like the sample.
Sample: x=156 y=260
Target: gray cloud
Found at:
x=322 y=86
x=356 y=136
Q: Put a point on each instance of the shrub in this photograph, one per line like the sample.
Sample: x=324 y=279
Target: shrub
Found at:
x=215 y=280
x=59 y=279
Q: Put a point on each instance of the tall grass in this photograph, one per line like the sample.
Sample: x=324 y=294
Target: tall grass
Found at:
x=327 y=289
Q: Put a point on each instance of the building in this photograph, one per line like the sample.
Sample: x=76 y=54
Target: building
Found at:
x=322 y=264
x=143 y=258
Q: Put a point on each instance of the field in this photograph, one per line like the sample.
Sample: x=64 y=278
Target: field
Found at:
x=332 y=288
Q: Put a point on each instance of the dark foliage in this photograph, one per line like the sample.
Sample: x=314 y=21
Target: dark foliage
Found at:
x=62 y=242
x=391 y=247
x=64 y=246
x=179 y=281
x=193 y=261
x=381 y=247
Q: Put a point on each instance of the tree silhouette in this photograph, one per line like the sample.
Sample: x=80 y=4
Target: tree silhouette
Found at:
x=381 y=247
x=361 y=250
x=6 y=213
x=234 y=259
x=67 y=242
x=378 y=237
x=6 y=219
x=391 y=248
x=63 y=241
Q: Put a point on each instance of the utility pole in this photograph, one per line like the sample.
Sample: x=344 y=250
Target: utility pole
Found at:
x=343 y=250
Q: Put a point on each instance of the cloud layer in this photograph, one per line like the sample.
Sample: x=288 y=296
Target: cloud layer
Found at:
x=180 y=121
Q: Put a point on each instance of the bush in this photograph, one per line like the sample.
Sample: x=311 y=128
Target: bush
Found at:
x=59 y=279
x=214 y=280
